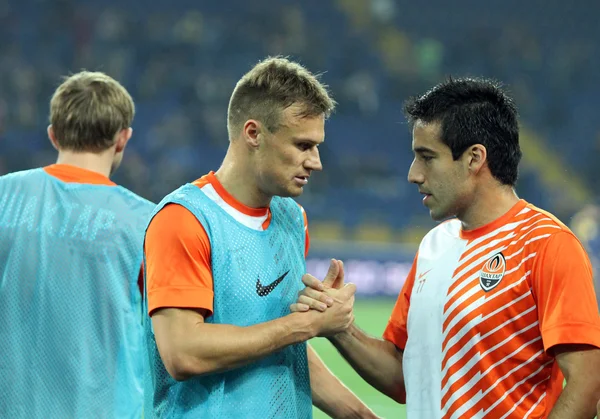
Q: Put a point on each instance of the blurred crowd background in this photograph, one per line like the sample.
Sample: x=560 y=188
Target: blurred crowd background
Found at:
x=180 y=59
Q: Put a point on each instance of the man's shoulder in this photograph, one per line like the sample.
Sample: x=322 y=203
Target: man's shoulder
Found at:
x=21 y=175
x=532 y=228
x=535 y=227
x=184 y=203
x=185 y=193
x=547 y=217
x=136 y=201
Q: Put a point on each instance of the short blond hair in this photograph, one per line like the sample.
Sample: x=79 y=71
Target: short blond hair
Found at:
x=270 y=87
x=88 y=109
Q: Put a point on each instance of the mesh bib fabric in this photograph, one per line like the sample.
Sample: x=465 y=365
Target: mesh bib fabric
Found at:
x=71 y=334
x=257 y=275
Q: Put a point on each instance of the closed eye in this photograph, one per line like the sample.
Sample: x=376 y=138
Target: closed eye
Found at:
x=305 y=146
x=424 y=154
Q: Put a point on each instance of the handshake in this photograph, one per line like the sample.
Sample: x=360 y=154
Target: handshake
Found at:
x=328 y=303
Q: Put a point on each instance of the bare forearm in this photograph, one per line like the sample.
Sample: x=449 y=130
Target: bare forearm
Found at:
x=577 y=401
x=375 y=360
x=330 y=395
x=218 y=347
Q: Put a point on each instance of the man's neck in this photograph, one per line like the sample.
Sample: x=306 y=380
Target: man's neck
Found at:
x=489 y=205
x=99 y=163
x=241 y=183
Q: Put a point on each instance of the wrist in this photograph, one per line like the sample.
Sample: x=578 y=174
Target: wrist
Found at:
x=363 y=412
x=341 y=337
x=360 y=411
x=301 y=327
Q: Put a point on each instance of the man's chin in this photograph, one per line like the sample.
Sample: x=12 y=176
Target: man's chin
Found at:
x=292 y=192
x=437 y=215
x=295 y=192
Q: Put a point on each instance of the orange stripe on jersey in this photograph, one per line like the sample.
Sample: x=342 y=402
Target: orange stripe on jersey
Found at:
x=203 y=181
x=494 y=361
x=73 y=174
x=480 y=245
x=211 y=179
x=178 y=253
x=458 y=322
x=493 y=226
x=509 y=245
x=227 y=197
x=490 y=304
x=267 y=222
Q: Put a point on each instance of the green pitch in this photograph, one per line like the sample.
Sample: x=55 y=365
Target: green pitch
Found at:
x=371 y=316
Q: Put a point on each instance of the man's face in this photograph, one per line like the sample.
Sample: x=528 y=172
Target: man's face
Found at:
x=288 y=156
x=443 y=180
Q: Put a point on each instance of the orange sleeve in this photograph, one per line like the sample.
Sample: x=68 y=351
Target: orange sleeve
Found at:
x=396 y=330
x=178 y=267
x=563 y=287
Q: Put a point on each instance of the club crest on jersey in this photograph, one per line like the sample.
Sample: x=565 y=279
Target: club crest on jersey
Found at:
x=492 y=272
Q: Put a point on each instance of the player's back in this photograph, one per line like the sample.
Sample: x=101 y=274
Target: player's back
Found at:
x=70 y=255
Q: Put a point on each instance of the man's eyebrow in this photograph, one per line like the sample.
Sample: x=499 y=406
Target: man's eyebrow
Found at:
x=306 y=140
x=423 y=150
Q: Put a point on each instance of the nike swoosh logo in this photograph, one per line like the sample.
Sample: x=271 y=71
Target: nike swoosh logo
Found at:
x=263 y=290
x=424 y=273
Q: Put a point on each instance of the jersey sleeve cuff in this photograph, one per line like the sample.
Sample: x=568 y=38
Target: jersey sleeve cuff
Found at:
x=571 y=333
x=194 y=298
x=395 y=334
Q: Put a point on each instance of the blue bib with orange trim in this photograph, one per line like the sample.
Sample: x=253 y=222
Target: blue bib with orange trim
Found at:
x=256 y=276
x=71 y=335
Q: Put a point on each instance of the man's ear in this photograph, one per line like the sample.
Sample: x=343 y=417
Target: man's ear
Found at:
x=123 y=137
x=476 y=156
x=52 y=137
x=252 y=133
